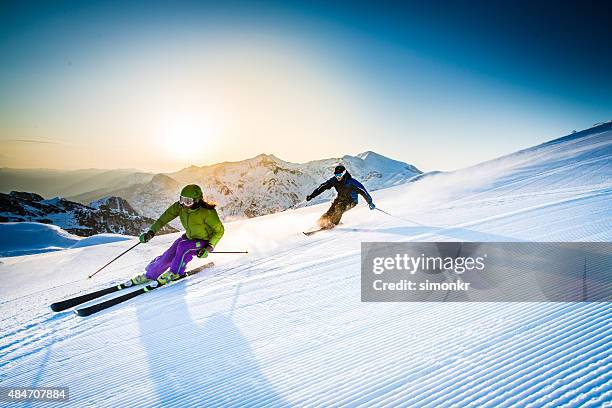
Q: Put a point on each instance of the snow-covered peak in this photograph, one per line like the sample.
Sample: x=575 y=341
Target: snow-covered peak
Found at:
x=370 y=156
x=378 y=160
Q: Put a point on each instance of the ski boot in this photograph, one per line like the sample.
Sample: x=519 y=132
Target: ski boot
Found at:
x=167 y=277
x=136 y=280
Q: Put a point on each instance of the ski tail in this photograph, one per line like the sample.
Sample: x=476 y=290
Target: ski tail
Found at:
x=309 y=233
x=75 y=301
x=89 y=310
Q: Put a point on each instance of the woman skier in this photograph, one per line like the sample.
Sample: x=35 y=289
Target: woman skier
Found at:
x=347 y=188
x=203 y=230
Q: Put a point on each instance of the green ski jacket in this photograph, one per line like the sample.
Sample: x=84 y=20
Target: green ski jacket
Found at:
x=199 y=223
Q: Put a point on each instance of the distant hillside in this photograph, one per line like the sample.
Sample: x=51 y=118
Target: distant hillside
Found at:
x=70 y=183
x=111 y=215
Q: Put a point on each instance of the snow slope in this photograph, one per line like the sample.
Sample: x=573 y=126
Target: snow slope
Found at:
x=25 y=238
x=284 y=326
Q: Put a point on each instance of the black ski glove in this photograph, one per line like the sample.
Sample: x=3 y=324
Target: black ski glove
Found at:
x=203 y=253
x=146 y=237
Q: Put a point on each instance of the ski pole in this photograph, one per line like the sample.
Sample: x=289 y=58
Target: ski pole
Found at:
x=114 y=259
x=230 y=252
x=399 y=218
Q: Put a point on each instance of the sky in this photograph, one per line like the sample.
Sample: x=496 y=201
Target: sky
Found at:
x=158 y=86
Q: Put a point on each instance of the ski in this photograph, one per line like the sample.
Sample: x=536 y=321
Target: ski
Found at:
x=72 y=302
x=89 y=310
x=309 y=233
x=77 y=300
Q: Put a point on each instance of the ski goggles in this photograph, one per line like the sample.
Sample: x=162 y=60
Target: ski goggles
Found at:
x=186 y=201
x=339 y=175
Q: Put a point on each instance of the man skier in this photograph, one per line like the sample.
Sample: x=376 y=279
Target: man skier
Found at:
x=347 y=188
x=203 y=230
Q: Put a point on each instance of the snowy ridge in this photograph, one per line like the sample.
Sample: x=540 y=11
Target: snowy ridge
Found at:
x=263 y=184
x=284 y=326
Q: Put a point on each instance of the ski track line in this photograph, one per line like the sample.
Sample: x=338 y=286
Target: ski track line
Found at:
x=435 y=402
x=365 y=361
x=497 y=370
x=393 y=386
x=524 y=371
x=42 y=320
x=490 y=367
x=74 y=328
x=587 y=386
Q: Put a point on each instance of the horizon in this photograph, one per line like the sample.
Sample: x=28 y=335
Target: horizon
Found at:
x=203 y=165
x=156 y=86
x=294 y=162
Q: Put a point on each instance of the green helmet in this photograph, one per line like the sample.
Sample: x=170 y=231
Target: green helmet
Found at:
x=192 y=191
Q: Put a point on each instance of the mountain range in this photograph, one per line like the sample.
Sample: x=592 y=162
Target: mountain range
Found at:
x=257 y=186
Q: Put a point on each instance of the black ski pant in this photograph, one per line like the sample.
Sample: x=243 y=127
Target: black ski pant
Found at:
x=332 y=217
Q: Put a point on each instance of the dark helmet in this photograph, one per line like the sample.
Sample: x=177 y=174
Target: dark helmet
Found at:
x=339 y=169
x=192 y=191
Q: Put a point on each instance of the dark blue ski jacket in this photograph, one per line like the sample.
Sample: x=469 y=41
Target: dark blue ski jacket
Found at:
x=347 y=188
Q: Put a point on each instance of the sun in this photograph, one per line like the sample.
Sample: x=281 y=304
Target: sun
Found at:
x=184 y=137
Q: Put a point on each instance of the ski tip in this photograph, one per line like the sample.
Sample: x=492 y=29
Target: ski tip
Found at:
x=55 y=307
x=81 y=313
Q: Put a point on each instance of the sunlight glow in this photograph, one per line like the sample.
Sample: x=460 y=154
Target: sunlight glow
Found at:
x=184 y=137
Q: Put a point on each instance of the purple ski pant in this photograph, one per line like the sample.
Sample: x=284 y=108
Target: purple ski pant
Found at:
x=176 y=257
